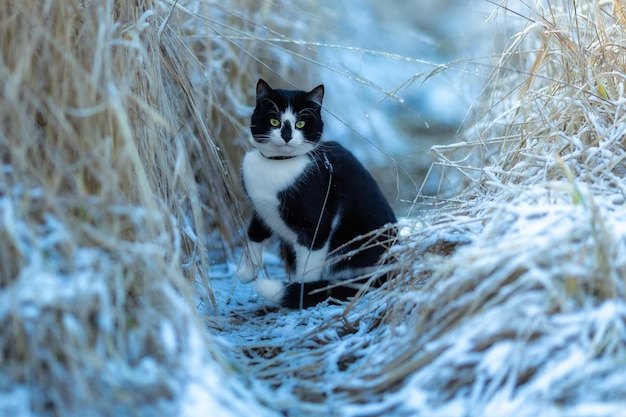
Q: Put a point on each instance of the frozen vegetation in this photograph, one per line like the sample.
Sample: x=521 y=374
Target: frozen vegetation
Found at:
x=498 y=131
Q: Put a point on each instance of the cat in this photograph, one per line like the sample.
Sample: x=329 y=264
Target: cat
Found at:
x=328 y=212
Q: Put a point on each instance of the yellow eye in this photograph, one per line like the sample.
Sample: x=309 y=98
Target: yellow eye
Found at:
x=300 y=124
x=275 y=122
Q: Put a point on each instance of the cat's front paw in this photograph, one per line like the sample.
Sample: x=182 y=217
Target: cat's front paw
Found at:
x=250 y=262
x=246 y=271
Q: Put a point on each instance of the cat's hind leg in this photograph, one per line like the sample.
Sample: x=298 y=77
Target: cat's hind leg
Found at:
x=310 y=263
x=309 y=266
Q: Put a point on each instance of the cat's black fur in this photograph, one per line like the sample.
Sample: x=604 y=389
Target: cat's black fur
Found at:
x=332 y=203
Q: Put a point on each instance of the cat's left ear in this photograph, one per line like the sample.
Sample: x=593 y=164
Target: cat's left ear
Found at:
x=316 y=95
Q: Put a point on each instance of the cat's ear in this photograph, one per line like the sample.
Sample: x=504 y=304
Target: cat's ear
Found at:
x=263 y=89
x=316 y=95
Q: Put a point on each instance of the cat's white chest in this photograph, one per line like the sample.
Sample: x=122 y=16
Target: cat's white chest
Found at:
x=264 y=179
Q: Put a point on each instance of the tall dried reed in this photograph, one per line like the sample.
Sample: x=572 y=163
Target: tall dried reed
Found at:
x=118 y=132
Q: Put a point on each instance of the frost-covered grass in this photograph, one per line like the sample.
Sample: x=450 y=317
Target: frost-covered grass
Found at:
x=122 y=126
x=111 y=167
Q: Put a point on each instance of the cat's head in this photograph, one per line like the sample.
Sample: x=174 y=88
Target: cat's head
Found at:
x=286 y=122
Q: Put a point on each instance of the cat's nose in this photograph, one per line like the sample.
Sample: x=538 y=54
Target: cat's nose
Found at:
x=285 y=132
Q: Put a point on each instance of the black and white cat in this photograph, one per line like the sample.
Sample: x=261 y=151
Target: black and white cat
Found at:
x=331 y=217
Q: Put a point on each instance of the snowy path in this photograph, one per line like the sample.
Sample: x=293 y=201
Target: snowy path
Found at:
x=292 y=353
x=498 y=334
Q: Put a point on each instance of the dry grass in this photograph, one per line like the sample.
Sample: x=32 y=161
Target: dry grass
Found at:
x=116 y=171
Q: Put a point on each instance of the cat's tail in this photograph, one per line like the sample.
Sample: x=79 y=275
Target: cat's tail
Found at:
x=296 y=295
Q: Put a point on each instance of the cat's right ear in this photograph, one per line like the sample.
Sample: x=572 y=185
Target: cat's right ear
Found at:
x=316 y=95
x=263 y=89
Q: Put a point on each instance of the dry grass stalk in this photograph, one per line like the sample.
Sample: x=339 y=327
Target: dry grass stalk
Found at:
x=113 y=173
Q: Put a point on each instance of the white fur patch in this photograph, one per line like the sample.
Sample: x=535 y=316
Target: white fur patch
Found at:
x=270 y=289
x=289 y=116
x=264 y=179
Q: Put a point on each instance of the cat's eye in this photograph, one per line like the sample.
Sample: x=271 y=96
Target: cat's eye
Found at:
x=275 y=122
x=300 y=124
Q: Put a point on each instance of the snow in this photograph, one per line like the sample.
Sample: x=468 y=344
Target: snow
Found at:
x=12 y=402
x=210 y=392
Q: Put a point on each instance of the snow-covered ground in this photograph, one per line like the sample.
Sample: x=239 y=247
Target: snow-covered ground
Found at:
x=530 y=341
